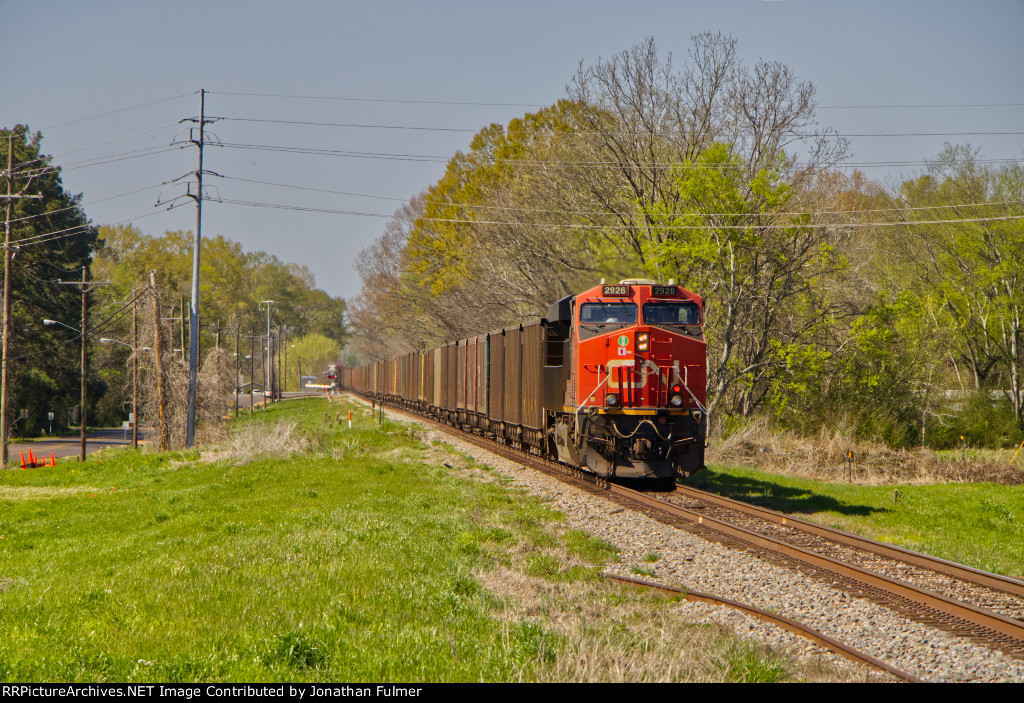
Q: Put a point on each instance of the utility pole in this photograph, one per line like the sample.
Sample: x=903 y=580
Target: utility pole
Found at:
x=280 y=348
x=10 y=197
x=238 y=331
x=284 y=346
x=181 y=320
x=84 y=331
x=193 y=325
x=135 y=370
x=158 y=350
x=252 y=362
x=267 y=368
x=85 y=360
x=271 y=351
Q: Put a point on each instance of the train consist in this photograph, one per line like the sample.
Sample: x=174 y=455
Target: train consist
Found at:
x=613 y=380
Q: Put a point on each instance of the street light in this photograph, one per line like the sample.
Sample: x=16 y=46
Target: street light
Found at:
x=84 y=396
x=135 y=386
x=57 y=322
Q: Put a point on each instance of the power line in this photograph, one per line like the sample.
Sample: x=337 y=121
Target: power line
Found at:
x=626 y=227
x=44 y=237
x=375 y=100
x=315 y=190
x=349 y=124
x=904 y=107
x=114 y=112
x=429 y=158
x=596 y=212
x=816 y=213
x=98 y=144
x=733 y=227
x=98 y=327
x=590 y=133
x=100 y=160
x=91 y=202
x=541 y=105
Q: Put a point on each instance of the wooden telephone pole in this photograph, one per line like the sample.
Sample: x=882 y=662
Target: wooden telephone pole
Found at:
x=11 y=196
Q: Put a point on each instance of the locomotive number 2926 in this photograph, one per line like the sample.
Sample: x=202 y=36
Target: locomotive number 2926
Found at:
x=612 y=291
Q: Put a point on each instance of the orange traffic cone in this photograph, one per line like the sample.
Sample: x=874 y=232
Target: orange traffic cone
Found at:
x=53 y=462
x=23 y=461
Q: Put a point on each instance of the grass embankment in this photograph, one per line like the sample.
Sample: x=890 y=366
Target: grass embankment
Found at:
x=308 y=551
x=977 y=524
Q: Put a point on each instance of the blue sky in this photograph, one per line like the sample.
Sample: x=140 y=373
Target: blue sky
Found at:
x=65 y=61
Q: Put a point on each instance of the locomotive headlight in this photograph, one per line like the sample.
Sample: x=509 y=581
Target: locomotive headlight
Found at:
x=643 y=341
x=676 y=401
x=611 y=400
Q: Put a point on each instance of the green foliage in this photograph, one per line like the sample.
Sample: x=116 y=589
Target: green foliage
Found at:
x=295 y=649
x=728 y=237
x=966 y=269
x=868 y=385
x=45 y=359
x=974 y=419
x=232 y=282
x=313 y=352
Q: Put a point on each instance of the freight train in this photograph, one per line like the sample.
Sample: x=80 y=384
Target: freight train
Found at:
x=612 y=381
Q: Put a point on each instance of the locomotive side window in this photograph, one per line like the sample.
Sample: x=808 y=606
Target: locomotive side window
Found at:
x=672 y=313
x=607 y=313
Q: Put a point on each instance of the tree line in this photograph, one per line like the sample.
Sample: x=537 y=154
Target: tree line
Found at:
x=53 y=240
x=831 y=300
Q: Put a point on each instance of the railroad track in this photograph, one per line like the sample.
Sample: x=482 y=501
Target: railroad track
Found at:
x=847 y=567
x=800 y=629
x=987 y=608
x=994 y=592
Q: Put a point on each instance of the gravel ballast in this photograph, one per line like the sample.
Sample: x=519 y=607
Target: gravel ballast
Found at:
x=691 y=562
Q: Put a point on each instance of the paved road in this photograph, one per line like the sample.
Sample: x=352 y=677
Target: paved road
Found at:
x=62 y=447
x=71 y=446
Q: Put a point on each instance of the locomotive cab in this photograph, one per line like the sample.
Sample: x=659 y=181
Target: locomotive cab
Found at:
x=637 y=384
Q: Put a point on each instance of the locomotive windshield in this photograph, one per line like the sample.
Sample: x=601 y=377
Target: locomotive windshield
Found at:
x=607 y=313
x=672 y=313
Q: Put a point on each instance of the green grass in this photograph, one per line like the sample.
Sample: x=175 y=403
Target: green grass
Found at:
x=172 y=568
x=979 y=524
x=333 y=555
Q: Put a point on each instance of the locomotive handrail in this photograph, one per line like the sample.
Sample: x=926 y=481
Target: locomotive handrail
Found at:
x=699 y=404
x=596 y=388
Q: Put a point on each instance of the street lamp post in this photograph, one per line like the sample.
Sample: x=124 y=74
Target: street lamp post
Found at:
x=84 y=397
x=135 y=384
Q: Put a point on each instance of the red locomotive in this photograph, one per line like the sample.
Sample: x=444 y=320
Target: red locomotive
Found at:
x=613 y=381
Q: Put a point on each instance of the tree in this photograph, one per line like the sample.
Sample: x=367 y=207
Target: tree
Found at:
x=233 y=284
x=966 y=268
x=311 y=356
x=52 y=240
x=646 y=119
x=728 y=236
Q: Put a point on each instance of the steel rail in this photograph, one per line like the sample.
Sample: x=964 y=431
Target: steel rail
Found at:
x=1003 y=629
x=966 y=573
x=995 y=628
x=782 y=621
